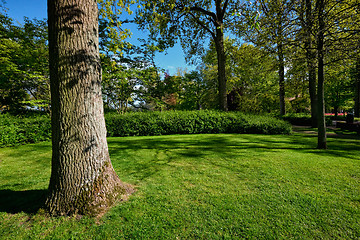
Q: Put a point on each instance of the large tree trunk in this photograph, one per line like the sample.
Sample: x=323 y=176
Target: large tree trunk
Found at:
x=321 y=102
x=281 y=79
x=83 y=180
x=310 y=58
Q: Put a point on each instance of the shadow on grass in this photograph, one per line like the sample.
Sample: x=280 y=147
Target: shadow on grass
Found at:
x=29 y=201
x=164 y=150
x=231 y=144
x=197 y=148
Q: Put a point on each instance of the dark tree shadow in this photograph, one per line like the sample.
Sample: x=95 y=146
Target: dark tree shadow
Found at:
x=29 y=201
x=168 y=149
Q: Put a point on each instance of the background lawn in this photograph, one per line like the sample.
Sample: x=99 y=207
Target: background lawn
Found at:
x=199 y=186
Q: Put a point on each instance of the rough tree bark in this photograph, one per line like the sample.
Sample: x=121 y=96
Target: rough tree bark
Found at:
x=320 y=4
x=83 y=180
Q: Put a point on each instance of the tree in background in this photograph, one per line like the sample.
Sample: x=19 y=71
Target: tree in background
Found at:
x=24 y=77
x=338 y=87
x=83 y=180
x=356 y=77
x=131 y=77
x=297 y=85
x=275 y=21
x=306 y=36
x=193 y=22
x=251 y=77
x=353 y=24
x=35 y=63
x=119 y=82
x=11 y=91
x=335 y=31
x=193 y=91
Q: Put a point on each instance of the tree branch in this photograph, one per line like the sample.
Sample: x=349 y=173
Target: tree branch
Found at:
x=208 y=13
x=224 y=8
x=203 y=25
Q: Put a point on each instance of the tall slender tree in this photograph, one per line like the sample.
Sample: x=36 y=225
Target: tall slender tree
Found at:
x=275 y=22
x=83 y=180
x=307 y=23
x=357 y=88
x=193 y=22
x=320 y=7
x=335 y=33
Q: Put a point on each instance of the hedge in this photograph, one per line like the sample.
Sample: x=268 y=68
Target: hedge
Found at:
x=192 y=122
x=16 y=130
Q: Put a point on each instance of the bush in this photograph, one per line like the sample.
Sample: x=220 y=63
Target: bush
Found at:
x=300 y=119
x=22 y=129
x=191 y=122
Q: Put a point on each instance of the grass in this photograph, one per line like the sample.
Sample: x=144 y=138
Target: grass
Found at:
x=224 y=186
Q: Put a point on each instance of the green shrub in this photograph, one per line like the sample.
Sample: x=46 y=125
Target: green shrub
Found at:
x=191 y=122
x=16 y=130
x=22 y=129
x=301 y=119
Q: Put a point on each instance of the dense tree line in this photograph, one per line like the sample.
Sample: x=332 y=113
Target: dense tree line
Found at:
x=264 y=56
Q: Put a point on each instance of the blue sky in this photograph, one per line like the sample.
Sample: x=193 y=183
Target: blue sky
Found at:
x=18 y=9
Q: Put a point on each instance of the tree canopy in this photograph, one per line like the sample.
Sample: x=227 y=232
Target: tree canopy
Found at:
x=254 y=56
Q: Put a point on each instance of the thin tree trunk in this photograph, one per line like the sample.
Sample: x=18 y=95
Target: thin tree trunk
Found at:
x=321 y=103
x=221 y=59
x=310 y=57
x=312 y=91
x=281 y=79
x=83 y=180
x=336 y=110
x=357 y=89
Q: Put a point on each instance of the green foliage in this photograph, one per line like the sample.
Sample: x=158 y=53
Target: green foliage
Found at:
x=193 y=89
x=339 y=90
x=192 y=122
x=113 y=35
x=23 y=63
x=300 y=119
x=252 y=79
x=118 y=82
x=16 y=130
x=183 y=91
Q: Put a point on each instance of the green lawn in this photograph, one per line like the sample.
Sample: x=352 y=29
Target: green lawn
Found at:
x=200 y=187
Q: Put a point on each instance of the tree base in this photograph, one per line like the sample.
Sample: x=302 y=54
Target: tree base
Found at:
x=94 y=200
